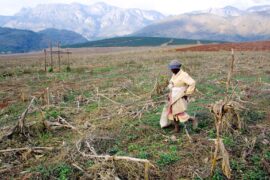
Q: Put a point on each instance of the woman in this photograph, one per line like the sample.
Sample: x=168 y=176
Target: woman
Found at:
x=181 y=87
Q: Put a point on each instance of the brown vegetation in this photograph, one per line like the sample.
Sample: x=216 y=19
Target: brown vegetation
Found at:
x=101 y=119
x=245 y=46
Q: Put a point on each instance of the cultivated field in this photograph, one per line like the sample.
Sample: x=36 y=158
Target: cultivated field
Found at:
x=245 y=46
x=110 y=102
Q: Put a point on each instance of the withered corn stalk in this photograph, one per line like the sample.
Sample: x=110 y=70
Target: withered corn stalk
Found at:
x=226 y=119
x=19 y=128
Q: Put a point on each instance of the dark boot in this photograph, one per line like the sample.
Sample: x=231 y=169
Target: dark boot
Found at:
x=176 y=126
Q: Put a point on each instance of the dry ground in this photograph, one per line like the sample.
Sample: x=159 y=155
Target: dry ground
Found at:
x=114 y=97
x=245 y=46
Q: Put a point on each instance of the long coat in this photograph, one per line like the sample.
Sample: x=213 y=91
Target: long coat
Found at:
x=181 y=84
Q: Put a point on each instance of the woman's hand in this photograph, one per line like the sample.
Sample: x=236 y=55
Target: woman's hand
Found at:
x=185 y=98
x=170 y=86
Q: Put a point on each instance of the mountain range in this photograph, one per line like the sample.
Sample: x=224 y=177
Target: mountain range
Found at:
x=96 y=21
x=76 y=23
x=230 y=11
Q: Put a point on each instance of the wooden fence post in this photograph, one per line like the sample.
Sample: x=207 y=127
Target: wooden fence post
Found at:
x=45 y=60
x=51 y=55
x=59 y=65
x=228 y=83
x=68 y=57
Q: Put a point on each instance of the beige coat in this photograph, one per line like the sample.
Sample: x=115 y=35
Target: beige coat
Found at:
x=181 y=84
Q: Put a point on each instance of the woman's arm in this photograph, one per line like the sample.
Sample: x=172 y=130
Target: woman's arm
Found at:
x=191 y=84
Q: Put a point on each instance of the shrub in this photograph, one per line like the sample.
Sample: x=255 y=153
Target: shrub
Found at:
x=167 y=158
x=61 y=171
x=52 y=113
x=68 y=69
x=50 y=69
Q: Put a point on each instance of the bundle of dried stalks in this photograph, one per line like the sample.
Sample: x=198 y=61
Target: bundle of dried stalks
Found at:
x=135 y=109
x=224 y=155
x=115 y=166
x=58 y=124
x=19 y=128
x=220 y=109
x=226 y=115
x=249 y=146
x=27 y=152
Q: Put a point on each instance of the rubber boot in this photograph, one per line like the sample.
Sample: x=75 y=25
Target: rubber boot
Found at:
x=176 y=126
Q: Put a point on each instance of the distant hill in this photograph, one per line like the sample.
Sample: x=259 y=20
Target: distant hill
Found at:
x=265 y=8
x=64 y=36
x=5 y=19
x=18 y=41
x=15 y=40
x=225 y=24
x=139 y=41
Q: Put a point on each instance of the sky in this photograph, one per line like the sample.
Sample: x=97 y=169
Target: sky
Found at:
x=168 y=7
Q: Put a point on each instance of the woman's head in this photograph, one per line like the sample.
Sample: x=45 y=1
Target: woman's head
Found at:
x=175 y=66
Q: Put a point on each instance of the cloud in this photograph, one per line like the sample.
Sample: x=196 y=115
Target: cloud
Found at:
x=260 y=1
x=9 y=7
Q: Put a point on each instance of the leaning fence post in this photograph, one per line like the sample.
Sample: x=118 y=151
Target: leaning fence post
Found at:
x=45 y=60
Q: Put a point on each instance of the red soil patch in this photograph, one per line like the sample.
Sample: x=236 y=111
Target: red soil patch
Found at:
x=4 y=104
x=246 y=46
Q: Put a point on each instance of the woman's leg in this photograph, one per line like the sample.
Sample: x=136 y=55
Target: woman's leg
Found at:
x=194 y=121
x=176 y=126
